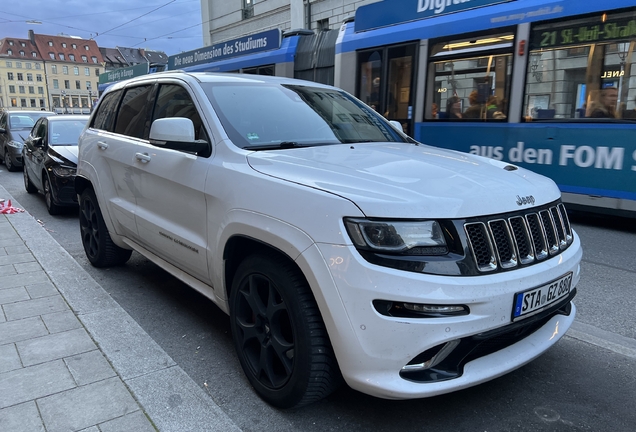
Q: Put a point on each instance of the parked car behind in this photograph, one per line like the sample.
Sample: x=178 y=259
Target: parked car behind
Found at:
x=14 y=128
x=337 y=244
x=50 y=159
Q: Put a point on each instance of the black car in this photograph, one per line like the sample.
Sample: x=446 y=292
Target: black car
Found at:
x=50 y=159
x=14 y=128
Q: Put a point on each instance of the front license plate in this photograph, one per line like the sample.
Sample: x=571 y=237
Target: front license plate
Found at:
x=536 y=299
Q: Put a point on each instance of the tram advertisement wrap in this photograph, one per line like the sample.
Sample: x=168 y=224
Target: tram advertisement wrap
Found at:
x=591 y=159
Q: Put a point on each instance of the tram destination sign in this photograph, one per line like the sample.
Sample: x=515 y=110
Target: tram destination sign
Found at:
x=264 y=41
x=583 y=33
x=389 y=12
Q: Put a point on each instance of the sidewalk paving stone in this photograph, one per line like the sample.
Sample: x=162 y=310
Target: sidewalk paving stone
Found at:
x=27 y=267
x=9 y=359
x=41 y=290
x=17 y=259
x=35 y=307
x=61 y=321
x=23 y=279
x=86 y=406
x=136 y=421
x=25 y=384
x=55 y=346
x=21 y=418
x=7 y=270
x=89 y=367
x=12 y=295
x=15 y=331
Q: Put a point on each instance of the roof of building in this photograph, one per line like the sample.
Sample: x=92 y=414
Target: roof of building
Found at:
x=71 y=48
x=22 y=49
x=113 y=57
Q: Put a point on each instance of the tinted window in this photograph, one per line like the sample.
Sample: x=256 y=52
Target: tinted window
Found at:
x=132 y=116
x=105 y=116
x=65 y=133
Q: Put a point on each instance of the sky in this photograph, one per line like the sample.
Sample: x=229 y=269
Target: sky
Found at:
x=171 y=26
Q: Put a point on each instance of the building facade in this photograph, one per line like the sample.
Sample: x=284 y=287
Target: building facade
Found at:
x=22 y=76
x=224 y=20
x=72 y=67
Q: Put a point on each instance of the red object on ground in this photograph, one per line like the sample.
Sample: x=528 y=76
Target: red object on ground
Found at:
x=6 y=208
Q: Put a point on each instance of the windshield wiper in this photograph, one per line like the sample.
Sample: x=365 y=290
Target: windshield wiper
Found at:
x=276 y=146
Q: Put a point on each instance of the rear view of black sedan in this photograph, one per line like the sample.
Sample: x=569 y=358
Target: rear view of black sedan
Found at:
x=50 y=159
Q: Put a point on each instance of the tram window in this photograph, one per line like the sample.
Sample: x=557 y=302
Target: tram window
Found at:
x=582 y=69
x=471 y=78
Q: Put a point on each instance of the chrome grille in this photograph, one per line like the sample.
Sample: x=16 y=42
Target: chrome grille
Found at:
x=521 y=239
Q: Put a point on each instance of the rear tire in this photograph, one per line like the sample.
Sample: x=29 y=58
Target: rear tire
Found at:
x=279 y=334
x=99 y=247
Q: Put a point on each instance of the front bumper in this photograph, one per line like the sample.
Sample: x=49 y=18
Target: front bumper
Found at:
x=372 y=349
x=63 y=190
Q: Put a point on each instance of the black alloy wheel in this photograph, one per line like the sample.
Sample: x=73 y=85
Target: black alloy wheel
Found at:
x=279 y=334
x=28 y=185
x=98 y=245
x=53 y=208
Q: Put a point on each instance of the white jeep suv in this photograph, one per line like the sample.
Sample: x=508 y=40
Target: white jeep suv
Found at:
x=340 y=247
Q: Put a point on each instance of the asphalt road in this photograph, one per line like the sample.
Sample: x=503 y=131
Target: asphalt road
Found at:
x=587 y=382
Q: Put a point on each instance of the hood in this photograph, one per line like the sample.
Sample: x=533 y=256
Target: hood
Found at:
x=404 y=180
x=68 y=154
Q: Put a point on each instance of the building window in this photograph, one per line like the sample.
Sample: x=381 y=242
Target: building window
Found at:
x=62 y=56
x=54 y=69
x=65 y=70
x=42 y=103
x=88 y=85
x=10 y=76
x=11 y=43
x=28 y=65
x=38 y=66
x=33 y=104
x=22 y=53
x=31 y=90
x=56 y=84
x=10 y=52
x=74 y=46
x=86 y=47
x=40 y=90
x=67 y=84
x=52 y=55
x=21 y=89
x=23 y=103
x=20 y=76
x=14 y=102
x=85 y=59
x=71 y=57
x=18 y=65
x=75 y=70
x=9 y=64
x=248 y=9
x=63 y=44
x=12 y=89
x=29 y=77
x=78 y=85
x=38 y=77
x=87 y=71
x=96 y=71
x=50 y=43
x=322 y=25
x=94 y=59
x=23 y=44
x=34 y=54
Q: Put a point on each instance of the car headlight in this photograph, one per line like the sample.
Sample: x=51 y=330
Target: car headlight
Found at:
x=62 y=171
x=15 y=144
x=397 y=237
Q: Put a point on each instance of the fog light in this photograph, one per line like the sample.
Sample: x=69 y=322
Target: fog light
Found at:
x=418 y=310
x=434 y=309
x=436 y=359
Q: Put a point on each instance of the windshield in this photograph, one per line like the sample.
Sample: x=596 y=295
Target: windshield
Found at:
x=262 y=116
x=66 y=132
x=23 y=120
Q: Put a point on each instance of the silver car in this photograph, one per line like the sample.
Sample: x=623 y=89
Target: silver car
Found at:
x=15 y=126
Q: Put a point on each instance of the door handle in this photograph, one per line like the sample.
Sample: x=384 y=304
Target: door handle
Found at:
x=102 y=145
x=142 y=157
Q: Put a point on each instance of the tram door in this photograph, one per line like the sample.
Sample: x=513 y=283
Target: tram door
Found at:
x=386 y=78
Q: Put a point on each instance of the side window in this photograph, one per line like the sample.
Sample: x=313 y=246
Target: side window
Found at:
x=174 y=101
x=132 y=116
x=575 y=71
x=3 y=121
x=105 y=116
x=39 y=130
x=471 y=78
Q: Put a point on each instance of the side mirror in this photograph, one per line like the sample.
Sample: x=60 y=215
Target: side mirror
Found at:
x=176 y=133
x=37 y=141
x=397 y=125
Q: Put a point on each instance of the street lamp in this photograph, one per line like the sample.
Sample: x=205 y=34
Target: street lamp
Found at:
x=90 y=99
x=623 y=49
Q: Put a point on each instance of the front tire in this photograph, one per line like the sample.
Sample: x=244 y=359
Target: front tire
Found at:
x=30 y=188
x=53 y=208
x=8 y=163
x=279 y=334
x=99 y=247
